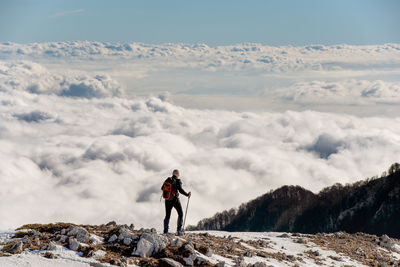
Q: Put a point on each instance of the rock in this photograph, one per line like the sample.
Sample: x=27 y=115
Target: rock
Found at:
x=248 y=254
x=36 y=241
x=166 y=262
x=386 y=242
x=99 y=254
x=112 y=239
x=95 y=240
x=209 y=252
x=73 y=244
x=284 y=235
x=239 y=262
x=189 y=254
x=63 y=231
x=50 y=255
x=81 y=234
x=144 y=248
x=259 y=264
x=51 y=246
x=112 y=223
x=340 y=235
x=124 y=232
x=35 y=233
x=63 y=239
x=300 y=241
x=13 y=247
x=99 y=265
x=132 y=227
x=220 y=264
x=190 y=259
x=200 y=261
x=360 y=252
x=178 y=242
x=127 y=241
x=157 y=242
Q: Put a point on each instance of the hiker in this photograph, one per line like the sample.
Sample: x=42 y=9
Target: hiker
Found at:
x=171 y=189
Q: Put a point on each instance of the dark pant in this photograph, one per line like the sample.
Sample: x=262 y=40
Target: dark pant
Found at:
x=169 y=204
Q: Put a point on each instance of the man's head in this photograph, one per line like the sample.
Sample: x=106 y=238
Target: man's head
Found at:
x=176 y=173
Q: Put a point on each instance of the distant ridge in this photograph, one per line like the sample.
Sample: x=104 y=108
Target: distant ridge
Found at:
x=371 y=206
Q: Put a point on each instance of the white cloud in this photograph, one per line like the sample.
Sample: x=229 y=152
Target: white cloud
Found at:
x=76 y=146
x=362 y=80
x=238 y=57
x=340 y=92
x=99 y=159
x=34 y=78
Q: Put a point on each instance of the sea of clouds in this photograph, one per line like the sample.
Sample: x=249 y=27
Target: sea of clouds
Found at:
x=78 y=145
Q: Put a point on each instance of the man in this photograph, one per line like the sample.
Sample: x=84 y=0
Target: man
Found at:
x=174 y=202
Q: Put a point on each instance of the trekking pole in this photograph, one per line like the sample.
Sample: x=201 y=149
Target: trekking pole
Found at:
x=187 y=205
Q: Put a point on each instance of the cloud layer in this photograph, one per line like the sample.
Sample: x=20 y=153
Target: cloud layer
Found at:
x=78 y=145
x=235 y=57
x=99 y=159
x=34 y=78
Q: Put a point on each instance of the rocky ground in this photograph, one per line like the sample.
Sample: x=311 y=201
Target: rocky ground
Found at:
x=122 y=245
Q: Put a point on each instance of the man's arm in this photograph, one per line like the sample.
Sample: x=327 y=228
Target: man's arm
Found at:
x=180 y=189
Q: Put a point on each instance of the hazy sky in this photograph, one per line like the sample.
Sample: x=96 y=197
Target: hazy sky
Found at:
x=221 y=22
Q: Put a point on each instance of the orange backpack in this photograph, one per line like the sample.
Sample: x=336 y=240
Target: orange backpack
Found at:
x=168 y=193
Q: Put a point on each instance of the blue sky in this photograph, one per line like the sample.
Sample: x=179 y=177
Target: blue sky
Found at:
x=214 y=22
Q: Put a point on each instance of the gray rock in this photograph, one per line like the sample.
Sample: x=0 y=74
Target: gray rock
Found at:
x=189 y=250
x=166 y=262
x=259 y=264
x=36 y=241
x=284 y=235
x=178 y=242
x=127 y=241
x=35 y=233
x=189 y=260
x=200 y=260
x=144 y=248
x=63 y=231
x=220 y=264
x=125 y=232
x=63 y=239
x=209 y=252
x=386 y=242
x=81 y=234
x=13 y=248
x=158 y=243
x=50 y=255
x=112 y=223
x=249 y=254
x=51 y=246
x=73 y=244
x=300 y=241
x=112 y=239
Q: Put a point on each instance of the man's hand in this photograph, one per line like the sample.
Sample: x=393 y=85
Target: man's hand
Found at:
x=189 y=194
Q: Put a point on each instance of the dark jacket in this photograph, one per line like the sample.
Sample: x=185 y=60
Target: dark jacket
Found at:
x=176 y=186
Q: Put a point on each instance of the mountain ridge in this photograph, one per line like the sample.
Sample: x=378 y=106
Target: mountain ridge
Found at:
x=368 y=206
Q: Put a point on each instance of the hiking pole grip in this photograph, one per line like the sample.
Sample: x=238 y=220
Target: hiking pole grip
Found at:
x=184 y=220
